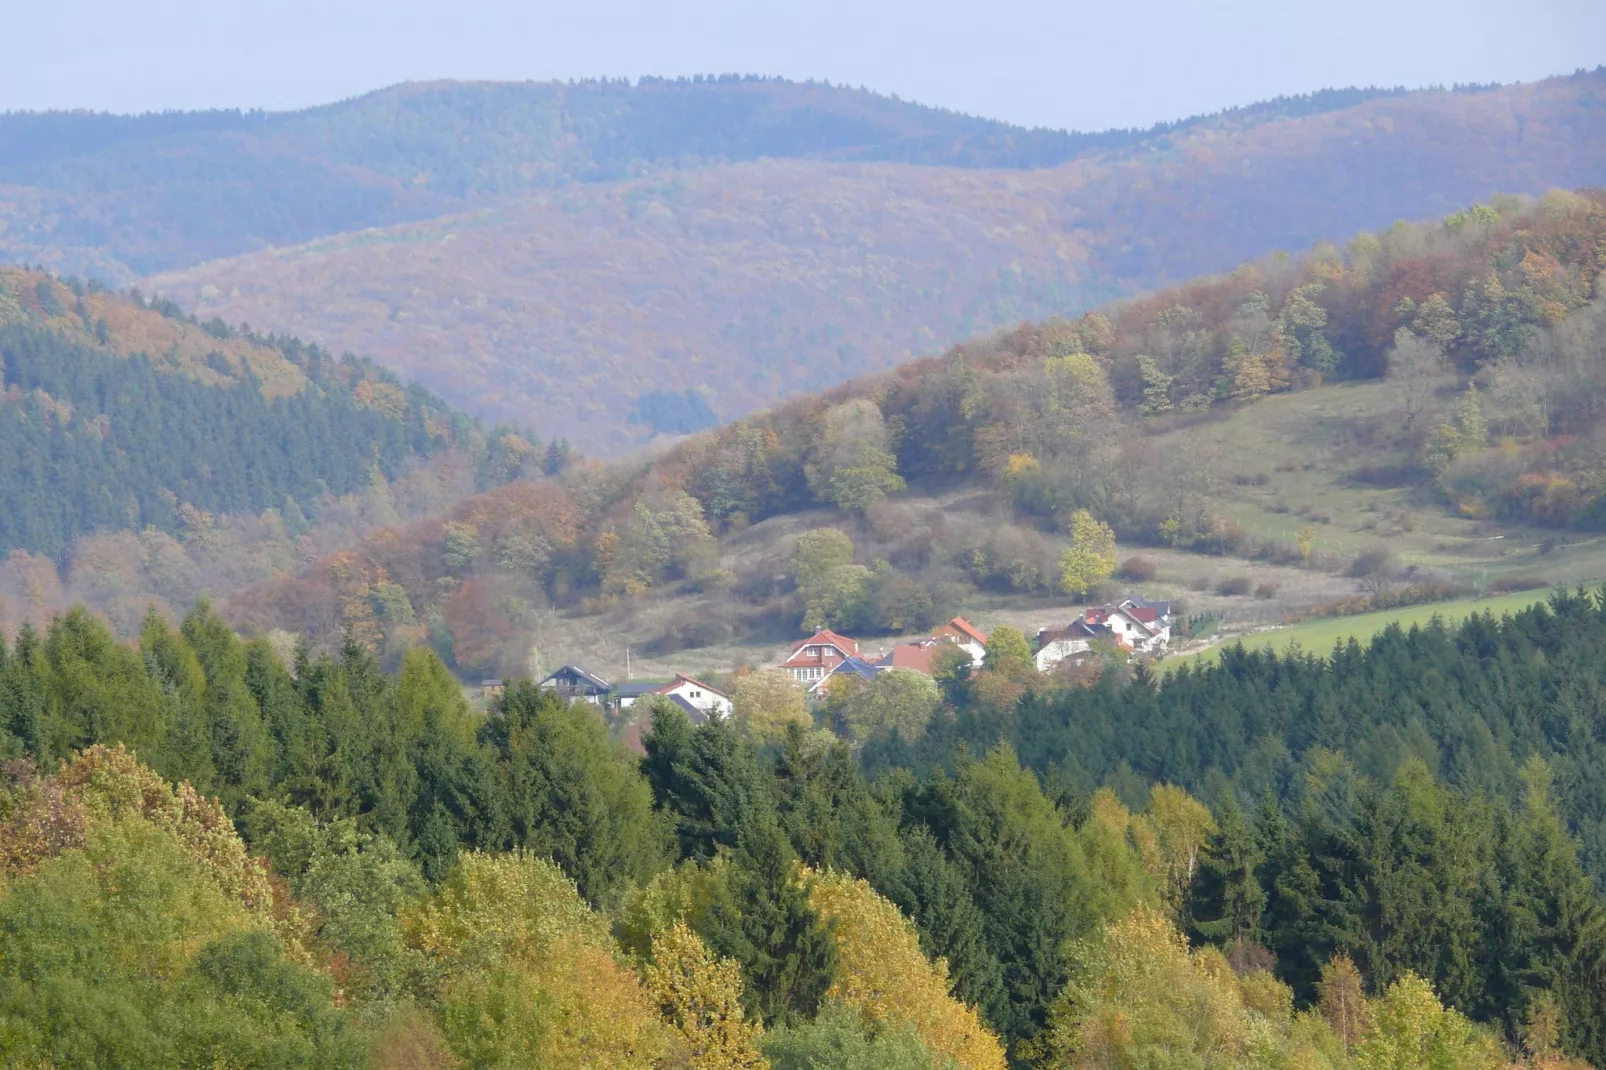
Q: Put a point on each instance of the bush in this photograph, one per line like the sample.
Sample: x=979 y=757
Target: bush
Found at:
x=1138 y=569
x=1234 y=586
x=1266 y=591
x=1371 y=563
x=1522 y=581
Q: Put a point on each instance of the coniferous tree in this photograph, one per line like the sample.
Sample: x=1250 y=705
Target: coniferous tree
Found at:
x=1228 y=900
x=573 y=795
x=766 y=922
x=706 y=779
x=829 y=814
x=931 y=891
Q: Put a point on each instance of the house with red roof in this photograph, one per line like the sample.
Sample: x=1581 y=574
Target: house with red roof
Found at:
x=710 y=700
x=707 y=700
x=813 y=659
x=967 y=637
x=916 y=657
x=1135 y=624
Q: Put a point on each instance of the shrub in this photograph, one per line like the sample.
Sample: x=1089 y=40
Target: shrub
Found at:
x=1233 y=586
x=1266 y=591
x=1138 y=569
x=1371 y=563
x=1522 y=581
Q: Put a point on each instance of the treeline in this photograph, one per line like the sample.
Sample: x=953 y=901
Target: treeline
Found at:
x=91 y=442
x=745 y=891
x=118 y=207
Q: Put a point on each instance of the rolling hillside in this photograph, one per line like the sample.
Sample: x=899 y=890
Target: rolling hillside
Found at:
x=1414 y=416
x=719 y=290
x=149 y=457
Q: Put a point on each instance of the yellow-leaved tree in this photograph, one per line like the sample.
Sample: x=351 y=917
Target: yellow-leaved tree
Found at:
x=1140 y=997
x=1407 y=1028
x=768 y=701
x=882 y=974
x=700 y=997
x=1090 y=559
x=530 y=974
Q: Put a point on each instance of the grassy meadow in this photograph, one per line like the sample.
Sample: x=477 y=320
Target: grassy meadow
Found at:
x=1318 y=636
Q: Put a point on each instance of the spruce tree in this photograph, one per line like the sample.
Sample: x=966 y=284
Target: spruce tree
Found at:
x=1228 y=900
x=767 y=924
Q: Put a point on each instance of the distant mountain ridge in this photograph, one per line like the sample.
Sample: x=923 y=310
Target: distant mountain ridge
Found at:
x=747 y=282
x=120 y=196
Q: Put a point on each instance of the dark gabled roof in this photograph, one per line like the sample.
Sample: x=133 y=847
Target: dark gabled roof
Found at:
x=857 y=666
x=693 y=714
x=1138 y=601
x=634 y=690
x=1077 y=629
x=490 y=683
x=574 y=676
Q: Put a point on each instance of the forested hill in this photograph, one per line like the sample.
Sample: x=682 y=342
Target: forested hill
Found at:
x=1486 y=328
x=121 y=196
x=122 y=415
x=745 y=282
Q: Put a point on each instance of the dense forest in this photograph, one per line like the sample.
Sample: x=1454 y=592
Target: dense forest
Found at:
x=121 y=194
x=1385 y=875
x=127 y=428
x=755 y=280
x=1487 y=327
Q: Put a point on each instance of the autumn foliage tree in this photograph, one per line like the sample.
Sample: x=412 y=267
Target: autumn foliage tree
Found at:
x=882 y=973
x=1090 y=559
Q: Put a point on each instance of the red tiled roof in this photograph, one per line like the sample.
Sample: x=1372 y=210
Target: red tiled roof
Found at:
x=682 y=678
x=826 y=637
x=1146 y=614
x=965 y=628
x=912 y=656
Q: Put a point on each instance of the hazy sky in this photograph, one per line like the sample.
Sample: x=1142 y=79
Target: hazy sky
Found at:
x=1071 y=63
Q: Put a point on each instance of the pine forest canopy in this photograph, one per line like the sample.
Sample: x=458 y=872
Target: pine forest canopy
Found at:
x=303 y=846
x=118 y=416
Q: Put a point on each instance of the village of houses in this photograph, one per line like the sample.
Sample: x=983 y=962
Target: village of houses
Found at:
x=1134 y=624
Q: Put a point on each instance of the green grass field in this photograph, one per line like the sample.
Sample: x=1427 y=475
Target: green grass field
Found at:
x=1318 y=636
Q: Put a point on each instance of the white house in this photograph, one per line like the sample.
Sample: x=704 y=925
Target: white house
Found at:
x=574 y=683
x=967 y=637
x=813 y=659
x=710 y=700
x=707 y=700
x=1054 y=646
x=1136 y=624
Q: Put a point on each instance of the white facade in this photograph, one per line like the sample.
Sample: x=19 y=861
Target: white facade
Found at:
x=1057 y=650
x=714 y=703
